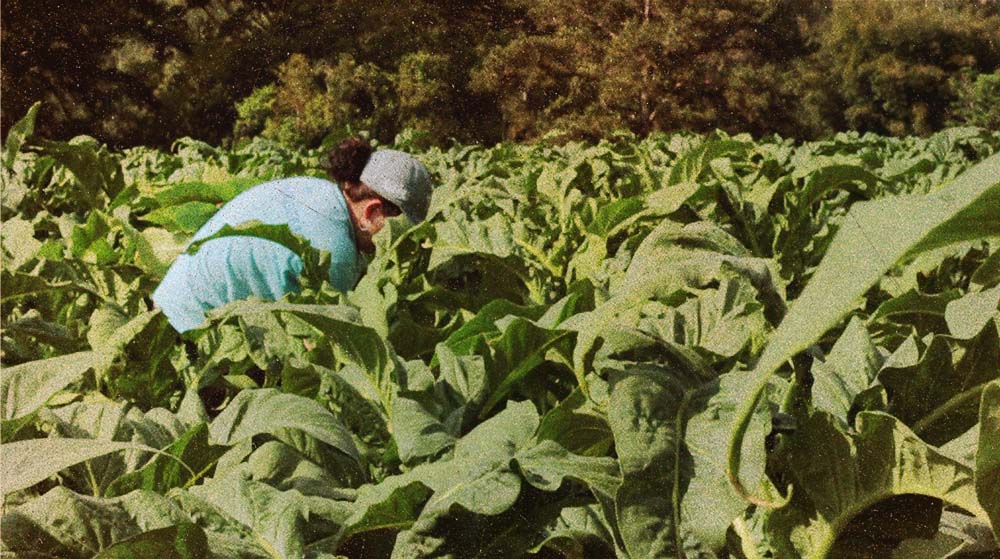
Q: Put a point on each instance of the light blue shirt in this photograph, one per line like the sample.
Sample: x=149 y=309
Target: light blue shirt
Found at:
x=233 y=268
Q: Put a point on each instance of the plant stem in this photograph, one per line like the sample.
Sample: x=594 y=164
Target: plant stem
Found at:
x=943 y=410
x=95 y=487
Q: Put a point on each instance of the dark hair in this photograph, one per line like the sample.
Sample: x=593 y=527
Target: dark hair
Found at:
x=348 y=159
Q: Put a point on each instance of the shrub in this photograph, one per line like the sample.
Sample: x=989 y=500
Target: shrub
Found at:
x=252 y=112
x=885 y=67
x=978 y=100
x=312 y=100
x=426 y=85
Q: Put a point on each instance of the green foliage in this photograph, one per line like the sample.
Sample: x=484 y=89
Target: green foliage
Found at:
x=551 y=365
x=484 y=71
x=65 y=524
x=312 y=100
x=316 y=101
x=645 y=67
x=427 y=99
x=253 y=110
x=886 y=67
x=965 y=210
x=147 y=72
x=978 y=100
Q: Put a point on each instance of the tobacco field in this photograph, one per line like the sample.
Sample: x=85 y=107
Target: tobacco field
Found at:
x=692 y=346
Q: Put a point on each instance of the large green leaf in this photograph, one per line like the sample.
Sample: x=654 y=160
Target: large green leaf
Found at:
x=699 y=253
x=988 y=456
x=26 y=463
x=423 y=428
x=25 y=388
x=482 y=484
x=18 y=243
x=479 y=477
x=227 y=536
x=820 y=181
x=710 y=504
x=187 y=217
x=670 y=198
x=352 y=391
x=18 y=285
x=848 y=370
x=492 y=237
x=968 y=315
x=316 y=263
x=874 y=236
x=547 y=465
x=718 y=323
x=283 y=467
x=35 y=330
x=199 y=191
x=65 y=524
x=674 y=497
x=181 y=541
x=988 y=273
x=937 y=394
x=464 y=374
x=184 y=462
x=612 y=217
x=465 y=339
x=275 y=519
x=18 y=135
x=519 y=350
x=111 y=331
x=392 y=504
x=578 y=425
x=105 y=420
x=926 y=312
x=478 y=480
x=644 y=412
x=609 y=221
x=350 y=341
x=580 y=532
x=856 y=473
x=266 y=410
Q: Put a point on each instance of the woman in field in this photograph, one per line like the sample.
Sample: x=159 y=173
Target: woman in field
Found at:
x=339 y=217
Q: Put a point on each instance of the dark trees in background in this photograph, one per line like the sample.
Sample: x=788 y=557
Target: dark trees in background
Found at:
x=406 y=65
x=149 y=71
x=891 y=67
x=64 y=55
x=587 y=68
x=129 y=71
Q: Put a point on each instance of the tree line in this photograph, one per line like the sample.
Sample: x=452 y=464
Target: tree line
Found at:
x=147 y=71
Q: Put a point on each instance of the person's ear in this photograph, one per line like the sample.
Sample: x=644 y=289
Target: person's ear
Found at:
x=373 y=214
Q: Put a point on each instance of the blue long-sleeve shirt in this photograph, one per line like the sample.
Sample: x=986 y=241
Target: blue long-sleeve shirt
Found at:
x=233 y=268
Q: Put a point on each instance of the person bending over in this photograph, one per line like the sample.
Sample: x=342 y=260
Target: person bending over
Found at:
x=339 y=217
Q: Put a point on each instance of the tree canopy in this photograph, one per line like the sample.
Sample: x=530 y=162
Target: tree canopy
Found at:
x=147 y=71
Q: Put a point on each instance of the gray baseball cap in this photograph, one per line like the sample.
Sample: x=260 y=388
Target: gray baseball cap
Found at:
x=401 y=179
